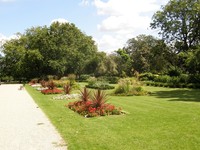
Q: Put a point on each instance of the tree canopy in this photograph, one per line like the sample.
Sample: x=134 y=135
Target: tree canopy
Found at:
x=56 y=50
x=178 y=22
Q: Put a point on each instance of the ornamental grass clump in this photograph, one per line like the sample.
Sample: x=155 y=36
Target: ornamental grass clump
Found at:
x=92 y=106
x=129 y=87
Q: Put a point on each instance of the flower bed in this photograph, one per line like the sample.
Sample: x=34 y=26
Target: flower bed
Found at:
x=93 y=106
x=52 y=91
x=89 y=110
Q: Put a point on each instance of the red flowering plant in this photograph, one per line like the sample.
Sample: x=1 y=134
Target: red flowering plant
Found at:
x=94 y=106
x=51 y=89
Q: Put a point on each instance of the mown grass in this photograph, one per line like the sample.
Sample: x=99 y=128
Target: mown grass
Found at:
x=166 y=119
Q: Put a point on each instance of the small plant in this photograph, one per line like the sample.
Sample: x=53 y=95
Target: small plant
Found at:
x=99 y=99
x=67 y=88
x=85 y=95
x=72 y=79
x=43 y=83
x=51 y=85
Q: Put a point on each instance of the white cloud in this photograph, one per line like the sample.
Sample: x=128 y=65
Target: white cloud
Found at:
x=3 y=39
x=60 y=20
x=123 y=19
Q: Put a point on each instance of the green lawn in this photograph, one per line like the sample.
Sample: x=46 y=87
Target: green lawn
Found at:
x=167 y=119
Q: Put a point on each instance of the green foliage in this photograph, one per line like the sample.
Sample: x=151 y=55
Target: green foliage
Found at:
x=178 y=21
x=146 y=76
x=56 y=50
x=84 y=77
x=103 y=85
x=148 y=54
x=72 y=79
x=174 y=71
x=192 y=61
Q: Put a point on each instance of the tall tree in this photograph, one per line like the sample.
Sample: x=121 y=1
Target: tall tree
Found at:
x=56 y=50
x=124 y=62
x=178 y=22
x=148 y=54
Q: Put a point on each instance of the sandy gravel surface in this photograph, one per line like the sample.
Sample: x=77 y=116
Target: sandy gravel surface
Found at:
x=23 y=126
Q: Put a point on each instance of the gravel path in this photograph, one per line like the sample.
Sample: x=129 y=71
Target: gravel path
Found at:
x=23 y=126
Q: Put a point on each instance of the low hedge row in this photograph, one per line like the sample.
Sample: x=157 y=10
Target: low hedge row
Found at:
x=173 y=85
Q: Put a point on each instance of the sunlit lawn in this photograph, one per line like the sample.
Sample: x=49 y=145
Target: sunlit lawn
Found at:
x=166 y=119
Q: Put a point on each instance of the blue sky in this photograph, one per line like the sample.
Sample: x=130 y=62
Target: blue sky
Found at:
x=110 y=22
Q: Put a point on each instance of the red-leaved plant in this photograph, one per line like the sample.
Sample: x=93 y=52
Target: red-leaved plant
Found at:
x=85 y=95
x=67 y=88
x=99 y=99
x=51 y=85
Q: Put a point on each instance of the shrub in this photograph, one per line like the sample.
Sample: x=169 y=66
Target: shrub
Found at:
x=194 y=78
x=123 y=86
x=128 y=87
x=84 y=77
x=174 y=72
x=184 y=78
x=95 y=84
x=91 y=80
x=146 y=77
x=72 y=79
x=113 y=80
x=163 y=79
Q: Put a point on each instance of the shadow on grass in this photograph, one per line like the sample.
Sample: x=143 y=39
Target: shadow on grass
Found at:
x=189 y=95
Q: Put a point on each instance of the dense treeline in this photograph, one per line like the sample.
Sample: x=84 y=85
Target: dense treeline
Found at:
x=62 y=49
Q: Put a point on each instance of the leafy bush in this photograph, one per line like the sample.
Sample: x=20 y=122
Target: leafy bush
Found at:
x=72 y=79
x=163 y=79
x=92 y=80
x=174 y=71
x=146 y=77
x=184 y=78
x=84 y=77
x=95 y=84
x=95 y=106
x=194 y=78
x=113 y=80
